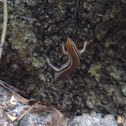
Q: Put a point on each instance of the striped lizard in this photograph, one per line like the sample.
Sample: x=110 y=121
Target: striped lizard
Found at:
x=73 y=60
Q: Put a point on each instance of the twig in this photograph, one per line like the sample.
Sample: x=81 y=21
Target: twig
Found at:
x=20 y=117
x=19 y=97
x=16 y=95
x=4 y=27
x=9 y=86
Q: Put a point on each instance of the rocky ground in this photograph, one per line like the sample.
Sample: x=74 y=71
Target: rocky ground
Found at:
x=36 y=29
x=12 y=110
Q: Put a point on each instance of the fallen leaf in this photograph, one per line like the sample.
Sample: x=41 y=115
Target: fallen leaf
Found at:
x=13 y=100
x=121 y=121
x=20 y=99
x=12 y=118
x=40 y=102
x=58 y=118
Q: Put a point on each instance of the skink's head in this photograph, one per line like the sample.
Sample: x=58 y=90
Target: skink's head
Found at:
x=70 y=46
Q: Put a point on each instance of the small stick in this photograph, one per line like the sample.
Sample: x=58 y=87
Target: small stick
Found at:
x=4 y=27
x=21 y=116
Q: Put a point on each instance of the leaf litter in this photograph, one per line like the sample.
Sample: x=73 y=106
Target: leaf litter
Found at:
x=17 y=110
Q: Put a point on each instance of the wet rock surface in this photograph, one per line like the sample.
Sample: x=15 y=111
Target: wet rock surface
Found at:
x=36 y=30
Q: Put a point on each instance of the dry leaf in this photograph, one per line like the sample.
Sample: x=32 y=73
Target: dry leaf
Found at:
x=40 y=102
x=39 y=109
x=24 y=100
x=12 y=118
x=13 y=100
x=20 y=99
x=58 y=118
x=121 y=121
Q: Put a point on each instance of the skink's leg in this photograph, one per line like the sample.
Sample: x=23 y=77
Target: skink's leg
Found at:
x=63 y=49
x=84 y=48
x=52 y=66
